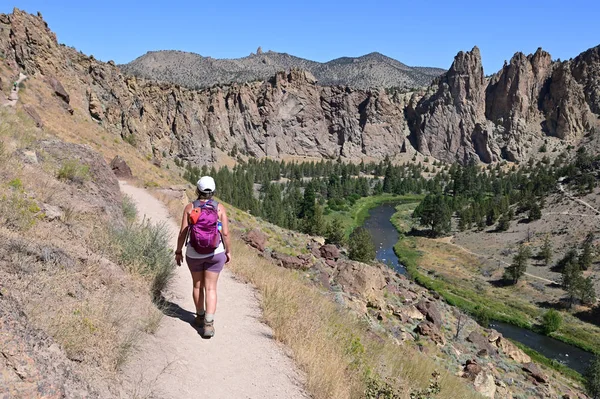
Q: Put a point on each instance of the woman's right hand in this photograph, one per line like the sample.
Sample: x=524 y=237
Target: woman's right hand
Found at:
x=228 y=255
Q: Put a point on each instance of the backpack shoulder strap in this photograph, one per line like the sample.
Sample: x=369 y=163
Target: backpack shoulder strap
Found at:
x=195 y=204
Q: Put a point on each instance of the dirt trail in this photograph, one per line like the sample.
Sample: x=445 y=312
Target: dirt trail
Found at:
x=448 y=240
x=582 y=202
x=240 y=361
x=13 y=97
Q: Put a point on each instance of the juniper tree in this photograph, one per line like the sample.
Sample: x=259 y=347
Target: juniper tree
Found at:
x=360 y=245
x=518 y=267
x=592 y=378
x=546 y=251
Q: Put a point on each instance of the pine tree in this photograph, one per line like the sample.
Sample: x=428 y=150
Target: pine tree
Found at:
x=334 y=233
x=585 y=259
x=546 y=251
x=592 y=378
x=503 y=223
x=361 y=246
x=587 y=292
x=535 y=212
x=518 y=267
x=434 y=211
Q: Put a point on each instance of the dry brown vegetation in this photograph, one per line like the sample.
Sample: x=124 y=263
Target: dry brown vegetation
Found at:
x=341 y=358
x=58 y=259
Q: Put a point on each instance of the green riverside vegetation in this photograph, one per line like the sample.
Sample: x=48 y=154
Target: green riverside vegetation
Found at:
x=312 y=196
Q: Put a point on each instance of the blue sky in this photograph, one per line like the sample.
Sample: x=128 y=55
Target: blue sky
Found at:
x=417 y=32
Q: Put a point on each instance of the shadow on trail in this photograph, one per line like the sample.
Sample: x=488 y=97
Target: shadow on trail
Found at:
x=174 y=310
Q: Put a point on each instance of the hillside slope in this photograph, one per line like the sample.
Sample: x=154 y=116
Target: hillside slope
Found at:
x=195 y=71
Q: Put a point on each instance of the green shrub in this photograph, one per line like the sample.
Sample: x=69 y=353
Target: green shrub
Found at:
x=592 y=379
x=361 y=246
x=17 y=211
x=16 y=184
x=129 y=208
x=334 y=233
x=130 y=139
x=72 y=170
x=144 y=248
x=552 y=321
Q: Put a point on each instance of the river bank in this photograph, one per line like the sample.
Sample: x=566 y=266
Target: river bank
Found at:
x=435 y=265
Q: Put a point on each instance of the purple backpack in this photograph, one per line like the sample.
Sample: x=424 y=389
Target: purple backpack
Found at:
x=203 y=225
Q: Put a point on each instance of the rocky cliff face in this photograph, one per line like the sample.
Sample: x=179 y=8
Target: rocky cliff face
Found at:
x=463 y=115
x=288 y=115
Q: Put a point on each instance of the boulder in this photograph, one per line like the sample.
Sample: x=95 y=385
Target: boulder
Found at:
x=30 y=157
x=34 y=115
x=428 y=329
x=360 y=279
x=95 y=107
x=290 y=262
x=430 y=311
x=485 y=384
x=52 y=212
x=255 y=238
x=120 y=167
x=329 y=251
x=412 y=312
x=537 y=373
x=471 y=370
x=512 y=351
x=59 y=90
x=482 y=344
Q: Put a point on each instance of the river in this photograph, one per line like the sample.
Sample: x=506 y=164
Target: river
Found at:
x=385 y=236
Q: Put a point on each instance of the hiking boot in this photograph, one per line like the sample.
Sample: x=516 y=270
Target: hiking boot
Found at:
x=209 y=329
x=198 y=321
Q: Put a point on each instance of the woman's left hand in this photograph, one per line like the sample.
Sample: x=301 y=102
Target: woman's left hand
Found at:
x=179 y=258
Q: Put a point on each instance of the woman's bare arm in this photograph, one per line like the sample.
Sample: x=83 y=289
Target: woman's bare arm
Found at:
x=225 y=230
x=182 y=233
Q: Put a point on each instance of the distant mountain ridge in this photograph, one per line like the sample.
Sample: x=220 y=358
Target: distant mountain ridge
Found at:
x=195 y=71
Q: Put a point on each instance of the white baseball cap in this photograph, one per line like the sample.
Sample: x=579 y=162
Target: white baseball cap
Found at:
x=206 y=184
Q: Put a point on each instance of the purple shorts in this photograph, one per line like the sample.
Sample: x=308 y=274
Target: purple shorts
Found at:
x=213 y=263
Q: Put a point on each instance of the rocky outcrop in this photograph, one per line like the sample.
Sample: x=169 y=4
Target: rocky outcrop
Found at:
x=537 y=373
x=256 y=239
x=120 y=168
x=31 y=364
x=462 y=116
x=428 y=329
x=329 y=251
x=362 y=280
x=443 y=121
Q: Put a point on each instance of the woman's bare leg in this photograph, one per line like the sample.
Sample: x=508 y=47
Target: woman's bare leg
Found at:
x=198 y=291
x=210 y=286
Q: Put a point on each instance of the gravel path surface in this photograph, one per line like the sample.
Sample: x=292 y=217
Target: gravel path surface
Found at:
x=241 y=361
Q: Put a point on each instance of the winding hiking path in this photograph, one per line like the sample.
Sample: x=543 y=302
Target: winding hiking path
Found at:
x=13 y=97
x=449 y=241
x=573 y=198
x=241 y=361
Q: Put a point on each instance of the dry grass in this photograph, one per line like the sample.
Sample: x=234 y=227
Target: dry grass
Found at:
x=57 y=271
x=335 y=349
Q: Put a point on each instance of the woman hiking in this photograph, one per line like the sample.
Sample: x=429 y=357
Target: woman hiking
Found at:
x=207 y=250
